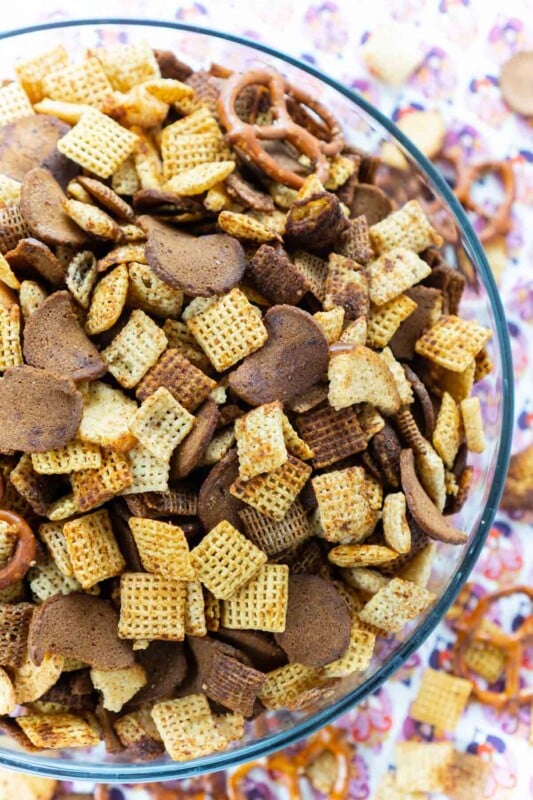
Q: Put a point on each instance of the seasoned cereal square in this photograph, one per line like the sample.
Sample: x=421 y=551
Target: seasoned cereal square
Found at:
x=273 y=493
x=262 y=603
x=151 y=607
x=453 y=342
x=93 y=549
x=97 y=143
x=260 y=441
x=135 y=349
x=441 y=699
x=187 y=727
x=161 y=423
x=163 y=548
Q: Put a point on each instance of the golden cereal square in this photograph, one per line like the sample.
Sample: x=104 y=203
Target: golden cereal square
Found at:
x=14 y=103
x=93 y=487
x=384 y=321
x=151 y=607
x=181 y=152
x=260 y=441
x=32 y=681
x=199 y=179
x=97 y=143
x=10 y=348
x=407 y=227
x=473 y=424
x=331 y=323
x=394 y=605
x=127 y=65
x=344 y=505
x=225 y=560
x=357 y=655
x=453 y=342
x=71 y=457
x=195 y=610
x=467 y=777
x=388 y=790
x=148 y=472
x=51 y=533
x=290 y=687
x=55 y=731
x=147 y=292
x=187 y=727
x=135 y=349
x=163 y=548
x=84 y=83
x=273 y=493
x=394 y=272
x=161 y=423
x=92 y=548
x=248 y=227
x=118 y=685
x=32 y=72
x=441 y=700
x=423 y=766
x=261 y=604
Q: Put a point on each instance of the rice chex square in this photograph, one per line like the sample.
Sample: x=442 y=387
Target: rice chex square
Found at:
x=135 y=349
x=407 y=227
x=262 y=603
x=161 y=423
x=273 y=493
x=151 y=607
x=163 y=548
x=187 y=727
x=93 y=549
x=97 y=143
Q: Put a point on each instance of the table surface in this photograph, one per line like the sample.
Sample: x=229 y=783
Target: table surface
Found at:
x=464 y=42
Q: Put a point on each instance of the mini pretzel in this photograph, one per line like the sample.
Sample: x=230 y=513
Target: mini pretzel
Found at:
x=246 y=136
x=25 y=551
x=513 y=644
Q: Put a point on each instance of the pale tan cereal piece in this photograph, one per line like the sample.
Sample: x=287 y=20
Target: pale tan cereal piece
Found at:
x=361 y=376
x=195 y=621
x=185 y=151
x=124 y=180
x=244 y=226
x=356 y=656
x=46 y=580
x=441 y=699
x=14 y=103
x=127 y=65
x=161 y=423
x=344 y=504
x=430 y=468
x=200 y=178
x=393 y=54
x=458 y=384
x=309 y=399
x=147 y=161
x=484 y=365
x=123 y=254
x=355 y=332
x=370 y=420
x=323 y=772
x=219 y=394
x=485 y=658
x=231 y=726
x=51 y=533
x=93 y=220
x=273 y=493
x=212 y=611
x=282 y=195
x=151 y=607
x=9 y=191
x=73 y=456
x=149 y=473
x=168 y=90
x=187 y=727
x=147 y=292
x=136 y=108
x=292 y=686
x=31 y=296
x=467 y=776
x=7 y=275
x=405 y=389
x=93 y=487
x=408 y=228
x=262 y=603
x=132 y=233
x=108 y=301
x=314 y=270
x=32 y=681
x=31 y=73
x=448 y=433
x=418 y=569
x=274 y=537
x=453 y=342
x=391 y=607
x=7 y=693
x=217 y=199
x=163 y=548
x=363 y=579
x=135 y=349
x=219 y=445
x=97 y=143
x=331 y=323
x=197 y=306
x=360 y=555
x=385 y=320
x=63 y=508
x=118 y=685
x=26 y=787
x=340 y=169
x=70 y=113
x=423 y=766
x=473 y=424
x=92 y=547
x=225 y=560
x=260 y=441
x=228 y=330
x=76 y=190
x=10 y=349
x=200 y=121
x=84 y=83
x=81 y=277
x=395 y=528
x=426 y=129
x=295 y=444
x=56 y=731
x=107 y=413
x=388 y=790
x=393 y=272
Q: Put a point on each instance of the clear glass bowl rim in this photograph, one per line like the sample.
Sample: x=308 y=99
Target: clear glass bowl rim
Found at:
x=137 y=773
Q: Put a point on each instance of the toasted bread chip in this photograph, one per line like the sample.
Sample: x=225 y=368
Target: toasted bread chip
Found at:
x=448 y=433
x=391 y=53
x=51 y=533
x=127 y=65
x=391 y=607
x=118 y=685
x=394 y=272
x=357 y=655
x=107 y=413
x=147 y=292
x=31 y=73
x=332 y=435
x=200 y=178
x=14 y=103
x=441 y=700
x=56 y=731
x=97 y=143
x=183 y=151
x=361 y=376
x=161 y=423
x=163 y=548
x=228 y=329
x=64 y=508
x=293 y=686
x=93 y=220
x=309 y=399
x=423 y=766
x=31 y=297
x=73 y=456
x=273 y=493
x=408 y=228
x=10 y=349
x=361 y=555
x=81 y=277
x=345 y=504
x=354 y=242
x=347 y=286
x=453 y=342
x=187 y=727
x=92 y=548
x=262 y=603
x=108 y=301
x=355 y=332
x=260 y=441
x=84 y=83
x=384 y=320
x=9 y=191
x=76 y=191
x=93 y=487
x=151 y=607
x=473 y=424
x=274 y=537
x=395 y=527
x=135 y=349
x=331 y=323
x=186 y=383
x=244 y=226
x=276 y=276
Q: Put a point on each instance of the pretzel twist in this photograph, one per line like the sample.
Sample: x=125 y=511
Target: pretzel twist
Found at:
x=25 y=550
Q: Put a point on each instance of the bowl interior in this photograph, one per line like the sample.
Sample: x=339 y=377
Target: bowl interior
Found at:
x=366 y=128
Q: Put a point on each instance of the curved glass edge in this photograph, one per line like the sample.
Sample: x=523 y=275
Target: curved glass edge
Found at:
x=134 y=773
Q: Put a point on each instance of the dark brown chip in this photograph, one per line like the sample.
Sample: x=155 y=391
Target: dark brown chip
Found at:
x=14 y=626
x=107 y=198
x=228 y=414
x=31 y=142
x=422 y=395
x=185 y=382
x=172 y=67
x=215 y=502
x=464 y=483
x=178 y=501
x=233 y=684
x=41 y=205
x=318 y=622
x=105 y=720
x=354 y=242
x=315 y=221
x=166 y=668
x=37 y=490
x=451 y=282
x=247 y=194
x=190 y=452
x=74 y=690
x=276 y=277
x=55 y=340
x=79 y=626
x=169 y=202
x=38 y=410
x=371 y=201
x=347 y=286
x=273 y=537
x=332 y=435
x=294 y=358
x=516 y=82
x=260 y=647
x=32 y=257
x=206 y=88
x=202 y=652
x=411 y=329
x=385 y=447
x=200 y=266
x=12 y=228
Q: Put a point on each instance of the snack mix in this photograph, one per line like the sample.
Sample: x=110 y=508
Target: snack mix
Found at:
x=235 y=404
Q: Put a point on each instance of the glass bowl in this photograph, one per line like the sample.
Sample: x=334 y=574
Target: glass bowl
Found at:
x=366 y=128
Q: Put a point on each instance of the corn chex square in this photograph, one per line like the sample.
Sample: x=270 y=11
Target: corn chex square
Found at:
x=118 y=685
x=394 y=272
x=345 y=505
x=93 y=549
x=151 y=607
x=260 y=441
x=71 y=457
x=148 y=472
x=10 y=349
x=31 y=73
x=93 y=487
x=228 y=329
x=195 y=610
x=423 y=766
x=97 y=143
x=200 y=121
x=84 y=83
x=199 y=179
x=187 y=727
x=453 y=342
x=137 y=732
x=357 y=655
x=473 y=424
x=161 y=423
x=54 y=731
x=147 y=292
x=408 y=227
x=14 y=625
x=185 y=382
x=295 y=444
x=486 y=659
x=394 y=605
x=441 y=699
x=14 y=103
x=127 y=65
x=135 y=349
x=262 y=603
x=248 y=226
x=180 y=338
x=273 y=493
x=62 y=508
x=163 y=548
x=184 y=151
x=384 y=321
x=225 y=560
x=293 y=686
x=273 y=537
x=467 y=777
x=51 y=533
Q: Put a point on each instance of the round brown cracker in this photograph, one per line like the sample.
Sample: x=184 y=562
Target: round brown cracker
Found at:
x=260 y=647
x=107 y=198
x=215 y=503
x=165 y=666
x=41 y=205
x=516 y=82
x=190 y=452
x=31 y=142
x=371 y=201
